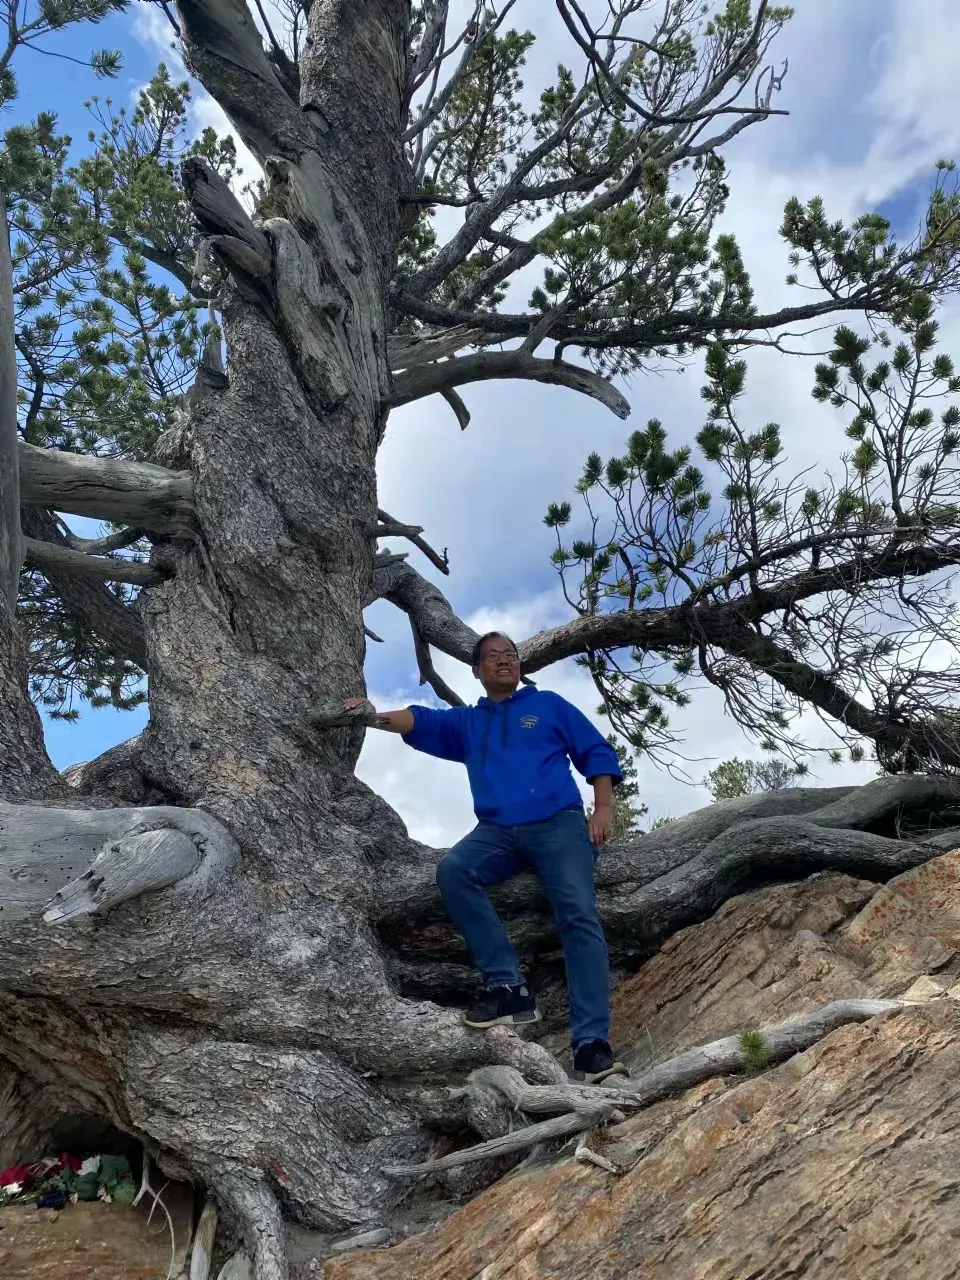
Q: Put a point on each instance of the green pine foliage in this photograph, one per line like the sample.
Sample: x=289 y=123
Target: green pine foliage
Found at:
x=756 y=1056
x=733 y=778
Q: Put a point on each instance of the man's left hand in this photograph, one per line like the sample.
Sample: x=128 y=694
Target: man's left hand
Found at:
x=600 y=824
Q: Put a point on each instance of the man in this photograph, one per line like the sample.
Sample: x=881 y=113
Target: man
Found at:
x=517 y=744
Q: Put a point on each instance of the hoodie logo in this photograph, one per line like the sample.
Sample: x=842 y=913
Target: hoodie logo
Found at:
x=529 y=721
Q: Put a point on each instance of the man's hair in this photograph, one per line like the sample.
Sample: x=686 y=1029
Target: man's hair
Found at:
x=478 y=647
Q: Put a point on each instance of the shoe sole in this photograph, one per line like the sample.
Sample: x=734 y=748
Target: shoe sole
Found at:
x=506 y=1020
x=595 y=1077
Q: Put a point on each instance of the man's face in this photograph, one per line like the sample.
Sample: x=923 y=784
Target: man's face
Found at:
x=499 y=667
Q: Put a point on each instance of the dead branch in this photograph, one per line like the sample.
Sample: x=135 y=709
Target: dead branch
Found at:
x=390 y=526
x=428 y=672
x=135 y=493
x=456 y=403
x=428 y=380
x=44 y=555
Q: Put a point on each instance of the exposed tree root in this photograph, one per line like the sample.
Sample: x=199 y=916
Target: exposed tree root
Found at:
x=589 y=1108
x=679 y=874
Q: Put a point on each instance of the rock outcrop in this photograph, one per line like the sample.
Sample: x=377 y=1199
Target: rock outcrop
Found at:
x=841 y=1162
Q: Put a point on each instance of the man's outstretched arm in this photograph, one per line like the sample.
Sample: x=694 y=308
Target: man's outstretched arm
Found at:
x=391 y=721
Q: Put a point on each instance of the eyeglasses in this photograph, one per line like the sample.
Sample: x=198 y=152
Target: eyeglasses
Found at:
x=500 y=655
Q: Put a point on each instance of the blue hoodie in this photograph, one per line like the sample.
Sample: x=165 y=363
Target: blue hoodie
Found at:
x=517 y=753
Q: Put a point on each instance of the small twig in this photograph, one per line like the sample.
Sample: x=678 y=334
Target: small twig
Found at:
x=585 y=1154
x=372 y=635
x=412 y=533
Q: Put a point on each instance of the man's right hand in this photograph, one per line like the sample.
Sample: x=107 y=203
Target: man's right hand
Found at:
x=392 y=721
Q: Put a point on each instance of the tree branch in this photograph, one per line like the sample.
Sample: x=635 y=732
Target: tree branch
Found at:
x=428 y=673
x=669 y=330
x=426 y=605
x=427 y=380
x=459 y=408
x=925 y=739
x=225 y=51
x=44 y=555
x=136 y=493
x=102 y=546
x=391 y=527
x=96 y=608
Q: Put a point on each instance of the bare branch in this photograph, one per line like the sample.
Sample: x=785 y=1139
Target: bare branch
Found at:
x=426 y=604
x=138 y=493
x=44 y=555
x=95 y=607
x=427 y=380
x=102 y=546
x=722 y=1057
x=428 y=672
x=394 y=527
x=459 y=408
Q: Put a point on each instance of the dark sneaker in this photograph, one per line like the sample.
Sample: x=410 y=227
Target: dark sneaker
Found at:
x=594 y=1062
x=503 y=1007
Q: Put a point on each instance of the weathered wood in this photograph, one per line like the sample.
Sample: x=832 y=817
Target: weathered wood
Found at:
x=201 y=1255
x=85 y=861
x=125 y=869
x=46 y=555
x=137 y=493
x=719 y=1057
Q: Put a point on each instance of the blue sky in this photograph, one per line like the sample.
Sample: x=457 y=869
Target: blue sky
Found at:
x=871 y=90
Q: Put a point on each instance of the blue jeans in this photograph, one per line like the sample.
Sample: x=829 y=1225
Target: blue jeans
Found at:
x=559 y=852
